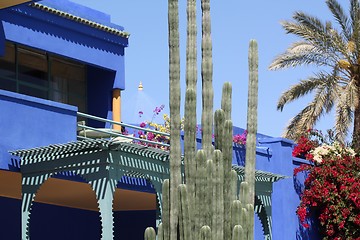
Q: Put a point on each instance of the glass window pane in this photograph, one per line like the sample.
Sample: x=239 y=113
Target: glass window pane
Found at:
x=68 y=83
x=32 y=67
x=7 y=69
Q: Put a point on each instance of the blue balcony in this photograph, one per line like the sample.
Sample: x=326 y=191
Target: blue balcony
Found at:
x=29 y=122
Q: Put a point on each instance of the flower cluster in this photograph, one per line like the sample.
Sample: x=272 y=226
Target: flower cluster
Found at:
x=325 y=150
x=150 y=125
x=306 y=143
x=240 y=138
x=332 y=190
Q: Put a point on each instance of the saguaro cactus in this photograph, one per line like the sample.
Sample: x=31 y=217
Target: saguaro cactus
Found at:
x=204 y=205
x=252 y=130
x=174 y=89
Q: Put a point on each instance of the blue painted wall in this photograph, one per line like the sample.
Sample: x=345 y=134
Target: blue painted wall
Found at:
x=46 y=31
x=132 y=224
x=10 y=219
x=275 y=155
x=100 y=85
x=60 y=223
x=2 y=38
x=28 y=122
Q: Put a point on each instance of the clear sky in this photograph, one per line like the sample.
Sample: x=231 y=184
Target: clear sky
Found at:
x=234 y=23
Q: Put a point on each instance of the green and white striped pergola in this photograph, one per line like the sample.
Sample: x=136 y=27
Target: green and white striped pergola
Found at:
x=102 y=163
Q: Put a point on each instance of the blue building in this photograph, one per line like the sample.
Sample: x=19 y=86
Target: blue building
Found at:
x=62 y=65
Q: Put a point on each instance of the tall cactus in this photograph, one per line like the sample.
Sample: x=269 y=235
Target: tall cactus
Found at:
x=190 y=106
x=252 y=130
x=206 y=73
x=174 y=89
x=205 y=204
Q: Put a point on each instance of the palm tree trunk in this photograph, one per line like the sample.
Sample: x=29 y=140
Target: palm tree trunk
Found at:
x=356 y=130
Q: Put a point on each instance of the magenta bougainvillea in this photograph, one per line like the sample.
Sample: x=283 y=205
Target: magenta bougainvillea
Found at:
x=332 y=188
x=239 y=139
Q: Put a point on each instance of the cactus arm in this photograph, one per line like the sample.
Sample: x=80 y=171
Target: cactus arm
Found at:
x=238 y=232
x=206 y=73
x=190 y=107
x=184 y=212
x=160 y=234
x=205 y=233
x=149 y=234
x=191 y=53
x=210 y=191
x=227 y=160
x=226 y=100
x=236 y=207
x=219 y=119
x=174 y=89
x=165 y=215
x=252 y=129
x=199 y=191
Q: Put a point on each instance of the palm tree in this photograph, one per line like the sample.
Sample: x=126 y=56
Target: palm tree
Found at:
x=336 y=85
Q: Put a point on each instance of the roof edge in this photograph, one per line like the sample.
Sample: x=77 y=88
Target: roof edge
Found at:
x=78 y=19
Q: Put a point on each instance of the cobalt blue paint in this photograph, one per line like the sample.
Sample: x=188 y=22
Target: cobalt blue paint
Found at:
x=132 y=224
x=60 y=223
x=55 y=34
x=10 y=218
x=100 y=85
x=2 y=38
x=28 y=122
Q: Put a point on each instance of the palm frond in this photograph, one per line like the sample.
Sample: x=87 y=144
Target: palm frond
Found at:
x=354 y=12
x=322 y=103
x=322 y=38
x=341 y=18
x=310 y=22
x=303 y=53
x=298 y=124
x=345 y=111
x=304 y=32
x=335 y=48
x=299 y=90
x=355 y=16
x=318 y=30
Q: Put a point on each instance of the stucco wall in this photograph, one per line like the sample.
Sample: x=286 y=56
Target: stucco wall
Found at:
x=28 y=122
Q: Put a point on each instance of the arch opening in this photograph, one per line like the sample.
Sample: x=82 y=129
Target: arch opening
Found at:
x=65 y=208
x=134 y=206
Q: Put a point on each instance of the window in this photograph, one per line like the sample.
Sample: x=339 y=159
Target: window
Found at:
x=8 y=69
x=39 y=74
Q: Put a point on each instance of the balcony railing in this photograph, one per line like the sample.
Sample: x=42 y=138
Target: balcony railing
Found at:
x=88 y=132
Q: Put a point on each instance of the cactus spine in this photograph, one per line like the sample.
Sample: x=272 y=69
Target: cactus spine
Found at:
x=207 y=205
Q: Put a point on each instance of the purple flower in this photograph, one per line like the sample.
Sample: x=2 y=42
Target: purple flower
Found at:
x=150 y=136
x=142 y=124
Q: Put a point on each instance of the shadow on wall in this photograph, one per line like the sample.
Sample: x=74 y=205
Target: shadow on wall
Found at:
x=239 y=152
x=302 y=233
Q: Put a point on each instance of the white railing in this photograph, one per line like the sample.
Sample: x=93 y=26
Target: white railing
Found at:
x=87 y=132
